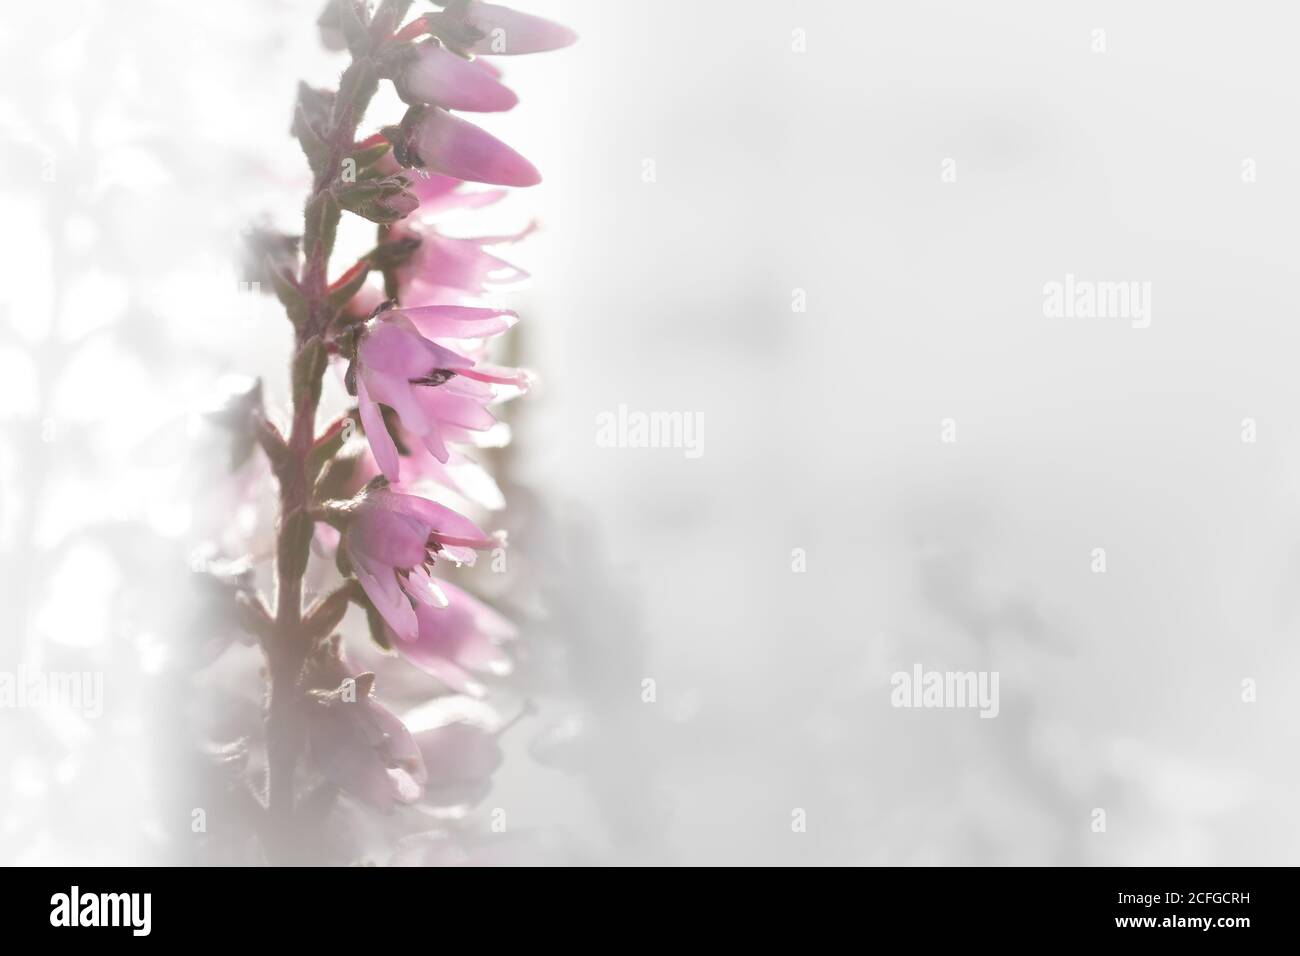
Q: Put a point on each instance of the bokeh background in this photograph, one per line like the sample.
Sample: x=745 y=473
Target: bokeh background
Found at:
x=796 y=149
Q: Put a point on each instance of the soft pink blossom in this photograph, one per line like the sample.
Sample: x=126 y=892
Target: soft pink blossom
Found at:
x=452 y=269
x=365 y=749
x=392 y=540
x=436 y=193
x=433 y=74
x=463 y=757
x=508 y=32
x=439 y=194
x=438 y=394
x=460 y=473
x=458 y=738
x=446 y=144
x=456 y=641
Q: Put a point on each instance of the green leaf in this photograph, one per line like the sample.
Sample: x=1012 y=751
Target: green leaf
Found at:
x=322 y=222
x=364 y=159
x=356 y=31
x=356 y=86
x=325 y=614
x=344 y=293
x=290 y=296
x=326 y=448
x=391 y=13
x=311 y=118
x=383 y=200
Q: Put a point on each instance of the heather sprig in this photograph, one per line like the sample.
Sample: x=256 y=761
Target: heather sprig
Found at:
x=402 y=327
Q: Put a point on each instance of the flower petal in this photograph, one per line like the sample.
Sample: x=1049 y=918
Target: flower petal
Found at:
x=510 y=32
x=384 y=536
x=441 y=520
x=451 y=146
x=459 y=321
x=422 y=587
x=381 y=443
x=380 y=585
x=393 y=346
x=436 y=75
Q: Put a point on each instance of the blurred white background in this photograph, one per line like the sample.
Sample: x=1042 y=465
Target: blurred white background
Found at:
x=794 y=146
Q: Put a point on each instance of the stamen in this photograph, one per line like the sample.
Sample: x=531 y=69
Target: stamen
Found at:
x=439 y=376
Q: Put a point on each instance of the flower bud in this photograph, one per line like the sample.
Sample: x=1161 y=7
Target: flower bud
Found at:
x=430 y=73
x=379 y=200
x=435 y=139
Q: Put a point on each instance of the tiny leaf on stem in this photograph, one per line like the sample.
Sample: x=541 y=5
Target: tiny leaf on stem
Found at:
x=379 y=200
x=322 y=222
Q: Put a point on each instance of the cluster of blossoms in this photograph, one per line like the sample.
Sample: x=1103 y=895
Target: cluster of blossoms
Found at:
x=407 y=328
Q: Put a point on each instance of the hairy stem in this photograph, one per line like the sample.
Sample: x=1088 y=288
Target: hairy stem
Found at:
x=287 y=648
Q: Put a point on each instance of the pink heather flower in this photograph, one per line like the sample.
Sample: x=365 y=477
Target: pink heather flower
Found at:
x=458 y=738
x=433 y=138
x=460 y=473
x=435 y=192
x=508 y=32
x=433 y=74
x=391 y=540
x=442 y=193
x=364 y=749
x=439 y=395
x=465 y=757
x=458 y=640
x=446 y=268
